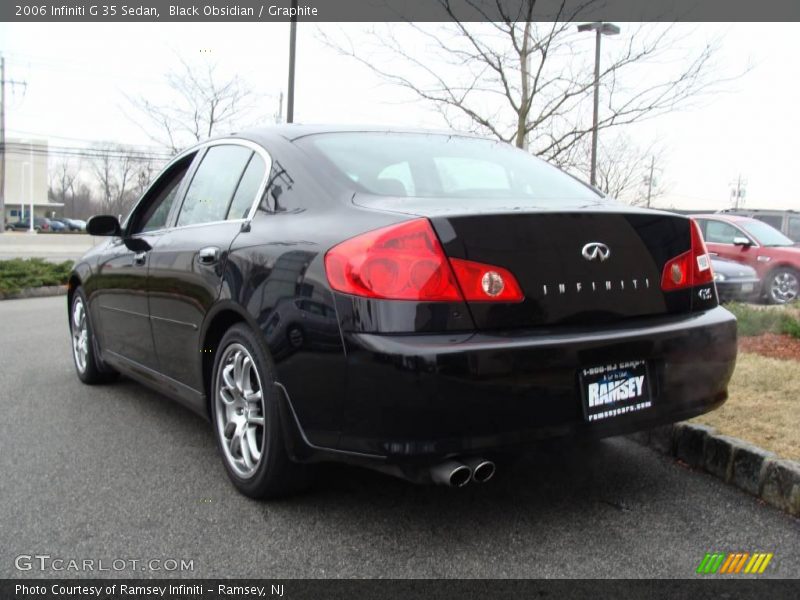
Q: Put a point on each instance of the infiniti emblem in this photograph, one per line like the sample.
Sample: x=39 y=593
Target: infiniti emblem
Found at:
x=595 y=250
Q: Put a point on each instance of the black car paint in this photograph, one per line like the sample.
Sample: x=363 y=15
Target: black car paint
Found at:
x=737 y=276
x=361 y=388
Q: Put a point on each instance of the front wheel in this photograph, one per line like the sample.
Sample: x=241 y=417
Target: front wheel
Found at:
x=246 y=421
x=783 y=286
x=88 y=365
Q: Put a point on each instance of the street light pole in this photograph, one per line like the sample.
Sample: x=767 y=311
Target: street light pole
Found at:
x=292 y=46
x=600 y=29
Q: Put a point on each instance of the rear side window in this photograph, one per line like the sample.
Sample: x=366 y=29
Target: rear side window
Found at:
x=248 y=188
x=213 y=185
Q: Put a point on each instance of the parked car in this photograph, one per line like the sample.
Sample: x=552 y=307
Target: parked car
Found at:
x=785 y=221
x=749 y=241
x=39 y=224
x=469 y=300
x=57 y=226
x=735 y=282
x=71 y=224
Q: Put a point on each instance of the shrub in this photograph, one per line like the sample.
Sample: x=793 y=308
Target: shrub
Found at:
x=19 y=273
x=755 y=321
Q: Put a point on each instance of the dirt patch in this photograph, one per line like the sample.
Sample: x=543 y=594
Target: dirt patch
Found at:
x=764 y=405
x=773 y=345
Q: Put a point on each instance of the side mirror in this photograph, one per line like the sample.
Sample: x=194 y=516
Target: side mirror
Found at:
x=742 y=241
x=106 y=225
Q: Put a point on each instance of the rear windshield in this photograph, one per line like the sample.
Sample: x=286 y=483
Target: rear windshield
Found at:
x=442 y=166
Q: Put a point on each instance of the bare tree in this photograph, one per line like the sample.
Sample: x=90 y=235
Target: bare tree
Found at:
x=623 y=169
x=200 y=104
x=121 y=176
x=530 y=83
x=63 y=179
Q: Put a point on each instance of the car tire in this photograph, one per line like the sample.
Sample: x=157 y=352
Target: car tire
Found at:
x=246 y=422
x=90 y=368
x=782 y=286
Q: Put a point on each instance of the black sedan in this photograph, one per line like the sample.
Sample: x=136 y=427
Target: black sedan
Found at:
x=735 y=282
x=414 y=302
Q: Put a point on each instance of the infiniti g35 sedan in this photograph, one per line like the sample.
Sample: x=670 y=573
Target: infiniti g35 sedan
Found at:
x=419 y=303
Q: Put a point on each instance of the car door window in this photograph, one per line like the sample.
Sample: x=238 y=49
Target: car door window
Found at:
x=718 y=232
x=154 y=210
x=248 y=188
x=213 y=185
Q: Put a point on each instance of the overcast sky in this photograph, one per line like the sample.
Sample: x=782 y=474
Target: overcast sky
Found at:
x=78 y=76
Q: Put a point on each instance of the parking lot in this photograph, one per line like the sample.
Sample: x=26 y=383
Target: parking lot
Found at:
x=118 y=472
x=51 y=246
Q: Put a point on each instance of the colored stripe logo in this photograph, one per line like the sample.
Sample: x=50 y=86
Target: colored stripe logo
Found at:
x=734 y=563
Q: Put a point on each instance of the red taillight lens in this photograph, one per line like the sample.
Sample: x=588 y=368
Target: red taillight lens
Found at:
x=406 y=262
x=691 y=268
x=399 y=262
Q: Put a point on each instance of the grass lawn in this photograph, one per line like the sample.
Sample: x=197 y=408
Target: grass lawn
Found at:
x=19 y=273
x=764 y=405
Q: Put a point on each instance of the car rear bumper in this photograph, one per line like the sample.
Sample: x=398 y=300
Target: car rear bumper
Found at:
x=413 y=397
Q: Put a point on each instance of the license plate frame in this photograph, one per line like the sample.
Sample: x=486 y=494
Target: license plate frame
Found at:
x=615 y=390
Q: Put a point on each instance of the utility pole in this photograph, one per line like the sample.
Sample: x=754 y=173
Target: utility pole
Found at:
x=3 y=142
x=292 y=46
x=738 y=192
x=650 y=180
x=3 y=82
x=279 y=114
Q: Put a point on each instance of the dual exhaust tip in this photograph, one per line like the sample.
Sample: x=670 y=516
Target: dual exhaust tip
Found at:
x=455 y=473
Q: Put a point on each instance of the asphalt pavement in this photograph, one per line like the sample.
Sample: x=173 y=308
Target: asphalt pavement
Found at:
x=117 y=472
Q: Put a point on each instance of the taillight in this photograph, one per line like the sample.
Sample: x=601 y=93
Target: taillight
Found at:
x=691 y=268
x=480 y=282
x=406 y=262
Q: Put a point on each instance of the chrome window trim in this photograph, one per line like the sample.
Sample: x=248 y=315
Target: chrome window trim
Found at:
x=261 y=151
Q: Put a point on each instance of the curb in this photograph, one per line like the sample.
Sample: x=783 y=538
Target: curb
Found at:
x=36 y=292
x=734 y=461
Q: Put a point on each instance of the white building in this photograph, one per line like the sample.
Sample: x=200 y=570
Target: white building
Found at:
x=26 y=180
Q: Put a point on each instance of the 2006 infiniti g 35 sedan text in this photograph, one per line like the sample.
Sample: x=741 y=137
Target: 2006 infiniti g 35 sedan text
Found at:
x=414 y=302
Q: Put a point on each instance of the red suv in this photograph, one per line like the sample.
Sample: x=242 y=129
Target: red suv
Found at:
x=752 y=242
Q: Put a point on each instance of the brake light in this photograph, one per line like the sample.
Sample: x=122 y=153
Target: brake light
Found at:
x=406 y=262
x=691 y=268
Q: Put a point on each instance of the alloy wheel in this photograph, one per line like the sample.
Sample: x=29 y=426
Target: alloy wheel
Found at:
x=80 y=335
x=240 y=413
x=784 y=287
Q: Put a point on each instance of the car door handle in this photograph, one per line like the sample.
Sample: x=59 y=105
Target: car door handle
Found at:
x=208 y=255
x=713 y=253
x=139 y=258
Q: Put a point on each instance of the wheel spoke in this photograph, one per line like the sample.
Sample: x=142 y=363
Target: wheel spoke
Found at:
x=253 y=396
x=255 y=420
x=237 y=370
x=227 y=377
x=227 y=396
x=244 y=447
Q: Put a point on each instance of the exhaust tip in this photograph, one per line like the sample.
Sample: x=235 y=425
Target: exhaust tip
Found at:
x=452 y=473
x=483 y=471
x=460 y=476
